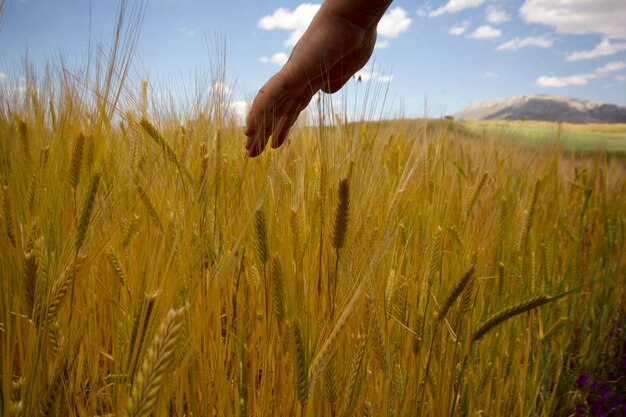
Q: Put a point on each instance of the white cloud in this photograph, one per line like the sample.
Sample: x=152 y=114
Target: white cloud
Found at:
x=454 y=6
x=393 y=23
x=371 y=73
x=621 y=78
x=458 y=30
x=3 y=77
x=611 y=67
x=490 y=74
x=558 y=82
x=485 y=32
x=423 y=10
x=221 y=89
x=279 y=58
x=240 y=109
x=580 y=79
x=295 y=21
x=496 y=15
x=294 y=37
x=518 y=43
x=382 y=44
x=604 y=48
x=185 y=31
x=605 y=17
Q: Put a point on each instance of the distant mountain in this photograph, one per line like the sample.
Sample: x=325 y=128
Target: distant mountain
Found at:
x=544 y=107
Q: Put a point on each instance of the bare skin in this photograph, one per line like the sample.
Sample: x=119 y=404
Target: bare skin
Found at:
x=338 y=42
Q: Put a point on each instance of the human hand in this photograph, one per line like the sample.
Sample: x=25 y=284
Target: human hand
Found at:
x=329 y=53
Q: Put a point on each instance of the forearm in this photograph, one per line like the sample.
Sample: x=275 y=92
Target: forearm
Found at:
x=363 y=13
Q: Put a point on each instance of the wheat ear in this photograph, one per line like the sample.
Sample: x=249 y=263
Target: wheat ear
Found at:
x=145 y=199
x=130 y=229
x=456 y=291
x=278 y=289
x=260 y=229
x=435 y=257
x=342 y=215
x=85 y=213
x=140 y=328
x=476 y=194
x=22 y=128
x=117 y=266
x=160 y=140
x=59 y=291
x=77 y=159
x=301 y=374
x=330 y=389
x=158 y=361
x=8 y=215
x=320 y=359
x=358 y=364
x=509 y=312
x=30 y=280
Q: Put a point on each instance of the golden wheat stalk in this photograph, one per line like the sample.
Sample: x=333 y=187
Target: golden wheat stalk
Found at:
x=53 y=115
x=117 y=266
x=22 y=128
x=140 y=328
x=260 y=229
x=527 y=221
x=468 y=295
x=160 y=140
x=77 y=158
x=145 y=199
x=342 y=215
x=380 y=347
x=32 y=191
x=29 y=285
x=43 y=156
x=533 y=207
x=302 y=384
x=557 y=327
x=156 y=365
x=353 y=389
x=86 y=211
x=320 y=359
x=51 y=393
x=131 y=228
x=368 y=410
x=476 y=194
x=456 y=292
x=278 y=289
x=330 y=389
x=8 y=215
x=435 y=256
x=509 y=312
x=60 y=289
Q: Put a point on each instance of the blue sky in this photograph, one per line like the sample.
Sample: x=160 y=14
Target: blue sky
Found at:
x=444 y=53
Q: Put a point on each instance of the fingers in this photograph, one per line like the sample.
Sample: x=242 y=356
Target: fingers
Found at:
x=261 y=102
x=273 y=113
x=285 y=122
x=256 y=143
x=271 y=123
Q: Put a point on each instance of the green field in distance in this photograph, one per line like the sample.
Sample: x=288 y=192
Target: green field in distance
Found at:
x=592 y=137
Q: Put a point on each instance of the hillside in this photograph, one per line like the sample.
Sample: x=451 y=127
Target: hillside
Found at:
x=543 y=107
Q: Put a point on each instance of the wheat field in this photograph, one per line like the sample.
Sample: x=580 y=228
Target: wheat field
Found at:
x=394 y=269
